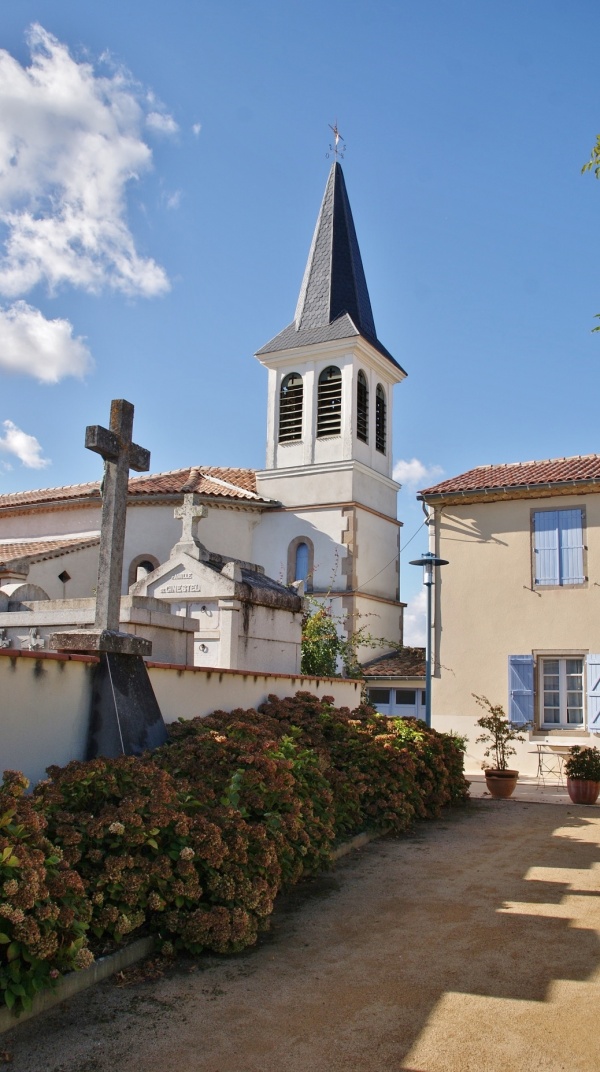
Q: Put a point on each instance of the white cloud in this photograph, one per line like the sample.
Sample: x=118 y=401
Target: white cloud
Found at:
x=161 y=123
x=24 y=447
x=173 y=200
x=38 y=347
x=70 y=143
x=197 y=127
x=415 y=621
x=415 y=473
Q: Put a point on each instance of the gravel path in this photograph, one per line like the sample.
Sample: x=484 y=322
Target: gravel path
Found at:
x=472 y=946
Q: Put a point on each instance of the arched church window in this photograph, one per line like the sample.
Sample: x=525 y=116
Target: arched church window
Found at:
x=140 y=567
x=301 y=570
x=301 y=562
x=380 y=419
x=329 y=402
x=362 y=408
x=290 y=408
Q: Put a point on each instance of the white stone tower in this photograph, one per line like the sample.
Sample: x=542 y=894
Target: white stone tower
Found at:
x=329 y=448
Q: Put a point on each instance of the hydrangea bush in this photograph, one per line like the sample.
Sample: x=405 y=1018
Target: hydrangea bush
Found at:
x=195 y=841
x=44 y=910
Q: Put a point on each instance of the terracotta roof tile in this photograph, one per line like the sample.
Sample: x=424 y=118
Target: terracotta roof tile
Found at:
x=37 y=550
x=579 y=469
x=406 y=662
x=213 y=481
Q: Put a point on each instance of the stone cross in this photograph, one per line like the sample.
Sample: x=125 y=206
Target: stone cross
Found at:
x=190 y=514
x=120 y=455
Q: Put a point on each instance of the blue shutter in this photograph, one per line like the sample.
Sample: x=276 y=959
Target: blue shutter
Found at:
x=571 y=546
x=593 y=693
x=520 y=689
x=545 y=544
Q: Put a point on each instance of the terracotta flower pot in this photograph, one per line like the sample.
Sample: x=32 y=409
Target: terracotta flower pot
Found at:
x=501 y=783
x=583 y=792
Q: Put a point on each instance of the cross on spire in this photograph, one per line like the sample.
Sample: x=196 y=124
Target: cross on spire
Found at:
x=120 y=455
x=338 y=153
x=190 y=514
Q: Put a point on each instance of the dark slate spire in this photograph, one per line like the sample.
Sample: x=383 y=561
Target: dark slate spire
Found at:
x=334 y=299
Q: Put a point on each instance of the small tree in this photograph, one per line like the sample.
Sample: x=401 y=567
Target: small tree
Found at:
x=324 y=646
x=500 y=733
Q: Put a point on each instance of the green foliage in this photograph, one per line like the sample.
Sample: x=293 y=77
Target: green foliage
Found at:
x=194 y=842
x=325 y=645
x=499 y=735
x=44 y=912
x=583 y=764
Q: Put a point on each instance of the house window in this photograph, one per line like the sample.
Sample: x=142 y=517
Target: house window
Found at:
x=379 y=697
x=329 y=403
x=380 y=419
x=561 y=692
x=558 y=547
x=290 y=408
x=406 y=696
x=362 y=408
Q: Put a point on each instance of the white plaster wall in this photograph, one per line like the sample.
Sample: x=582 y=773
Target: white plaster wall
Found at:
x=486 y=610
x=275 y=532
x=198 y=692
x=382 y=621
x=82 y=567
x=43 y=712
x=45 y=522
x=376 y=554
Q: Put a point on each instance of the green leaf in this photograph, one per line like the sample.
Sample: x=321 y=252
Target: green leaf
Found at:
x=13 y=951
x=152 y=842
x=9 y=998
x=4 y=939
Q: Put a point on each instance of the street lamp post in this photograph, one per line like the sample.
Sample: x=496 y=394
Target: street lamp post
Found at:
x=428 y=561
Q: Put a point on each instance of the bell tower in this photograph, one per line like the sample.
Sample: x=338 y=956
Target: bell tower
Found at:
x=329 y=438
x=330 y=378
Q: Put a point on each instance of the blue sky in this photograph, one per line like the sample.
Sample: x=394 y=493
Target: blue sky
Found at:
x=162 y=167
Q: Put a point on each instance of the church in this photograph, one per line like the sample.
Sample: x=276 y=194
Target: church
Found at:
x=321 y=512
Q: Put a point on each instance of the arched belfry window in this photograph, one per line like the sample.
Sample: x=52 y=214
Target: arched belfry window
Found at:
x=290 y=408
x=329 y=402
x=380 y=419
x=362 y=408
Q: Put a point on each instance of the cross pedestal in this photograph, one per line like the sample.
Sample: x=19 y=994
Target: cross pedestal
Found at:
x=125 y=718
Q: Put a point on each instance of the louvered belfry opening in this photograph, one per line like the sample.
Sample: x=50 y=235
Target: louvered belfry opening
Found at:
x=362 y=408
x=329 y=403
x=380 y=419
x=290 y=408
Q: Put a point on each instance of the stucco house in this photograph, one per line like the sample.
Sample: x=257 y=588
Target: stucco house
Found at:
x=517 y=608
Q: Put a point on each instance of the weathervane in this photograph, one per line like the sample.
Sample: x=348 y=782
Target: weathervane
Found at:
x=338 y=138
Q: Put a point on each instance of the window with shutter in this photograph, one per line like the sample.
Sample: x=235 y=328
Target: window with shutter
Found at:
x=362 y=408
x=593 y=693
x=520 y=689
x=558 y=547
x=329 y=403
x=290 y=408
x=380 y=419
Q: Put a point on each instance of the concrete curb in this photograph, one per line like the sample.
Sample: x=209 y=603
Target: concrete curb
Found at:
x=75 y=982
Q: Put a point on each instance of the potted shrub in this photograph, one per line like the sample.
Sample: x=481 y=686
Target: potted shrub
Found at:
x=583 y=774
x=499 y=735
